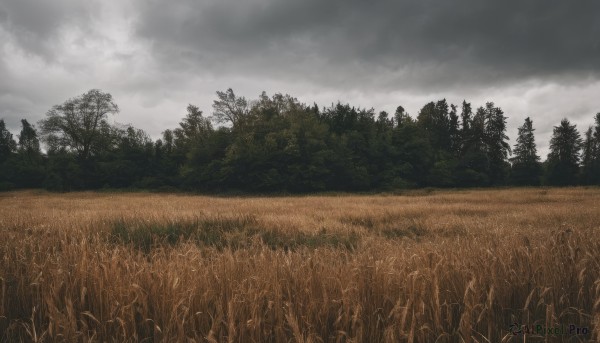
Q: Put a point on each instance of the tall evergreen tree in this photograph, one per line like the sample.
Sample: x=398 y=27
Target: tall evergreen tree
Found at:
x=496 y=143
x=29 y=144
x=466 y=115
x=7 y=143
x=473 y=167
x=434 y=120
x=454 y=131
x=439 y=124
x=526 y=167
x=564 y=156
x=27 y=168
x=401 y=117
x=597 y=130
x=590 y=166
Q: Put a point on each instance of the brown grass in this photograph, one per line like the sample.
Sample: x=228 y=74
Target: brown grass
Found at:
x=422 y=267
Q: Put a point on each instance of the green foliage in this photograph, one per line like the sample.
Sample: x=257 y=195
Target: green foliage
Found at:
x=278 y=144
x=29 y=144
x=221 y=232
x=80 y=124
x=230 y=108
x=64 y=172
x=496 y=146
x=526 y=168
x=473 y=168
x=590 y=169
x=23 y=165
x=564 y=156
x=7 y=143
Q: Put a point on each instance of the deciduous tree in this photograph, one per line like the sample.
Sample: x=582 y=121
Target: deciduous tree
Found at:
x=230 y=108
x=79 y=124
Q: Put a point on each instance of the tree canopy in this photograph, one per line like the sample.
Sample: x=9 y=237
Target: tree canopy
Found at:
x=564 y=156
x=79 y=124
x=526 y=167
x=278 y=144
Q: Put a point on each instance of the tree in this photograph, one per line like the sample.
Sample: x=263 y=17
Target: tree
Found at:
x=526 y=167
x=412 y=153
x=590 y=166
x=439 y=124
x=564 y=156
x=194 y=125
x=7 y=149
x=29 y=144
x=230 y=108
x=353 y=131
x=474 y=165
x=466 y=116
x=497 y=147
x=401 y=117
x=130 y=163
x=454 y=131
x=27 y=166
x=79 y=124
x=7 y=143
x=192 y=130
x=168 y=141
x=435 y=121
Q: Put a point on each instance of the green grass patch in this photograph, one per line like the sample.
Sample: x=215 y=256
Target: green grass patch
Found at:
x=413 y=231
x=388 y=225
x=221 y=232
x=293 y=241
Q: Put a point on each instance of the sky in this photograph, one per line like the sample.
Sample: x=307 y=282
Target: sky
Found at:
x=537 y=58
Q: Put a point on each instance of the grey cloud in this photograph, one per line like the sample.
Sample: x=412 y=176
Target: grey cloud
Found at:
x=35 y=25
x=156 y=56
x=425 y=44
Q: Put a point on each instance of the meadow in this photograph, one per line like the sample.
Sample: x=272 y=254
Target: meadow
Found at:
x=422 y=266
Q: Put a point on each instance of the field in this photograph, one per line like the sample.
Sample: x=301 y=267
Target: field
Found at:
x=425 y=266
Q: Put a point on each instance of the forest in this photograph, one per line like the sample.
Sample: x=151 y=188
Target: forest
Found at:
x=276 y=144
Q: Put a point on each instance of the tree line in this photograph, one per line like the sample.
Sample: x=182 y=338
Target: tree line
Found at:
x=277 y=144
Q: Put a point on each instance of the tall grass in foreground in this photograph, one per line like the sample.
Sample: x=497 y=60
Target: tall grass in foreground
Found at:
x=445 y=267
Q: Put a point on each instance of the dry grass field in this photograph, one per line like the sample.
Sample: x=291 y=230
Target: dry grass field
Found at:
x=441 y=266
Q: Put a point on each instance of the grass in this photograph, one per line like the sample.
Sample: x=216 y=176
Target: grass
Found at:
x=437 y=266
x=220 y=232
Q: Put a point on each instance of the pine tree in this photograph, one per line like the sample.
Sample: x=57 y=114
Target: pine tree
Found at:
x=526 y=167
x=435 y=122
x=401 y=117
x=7 y=143
x=590 y=166
x=466 y=116
x=497 y=147
x=29 y=144
x=27 y=167
x=564 y=156
x=473 y=166
x=455 y=140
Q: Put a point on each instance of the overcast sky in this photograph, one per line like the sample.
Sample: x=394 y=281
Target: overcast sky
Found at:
x=538 y=58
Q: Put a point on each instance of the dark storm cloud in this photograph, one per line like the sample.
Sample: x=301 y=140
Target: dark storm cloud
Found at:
x=429 y=43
